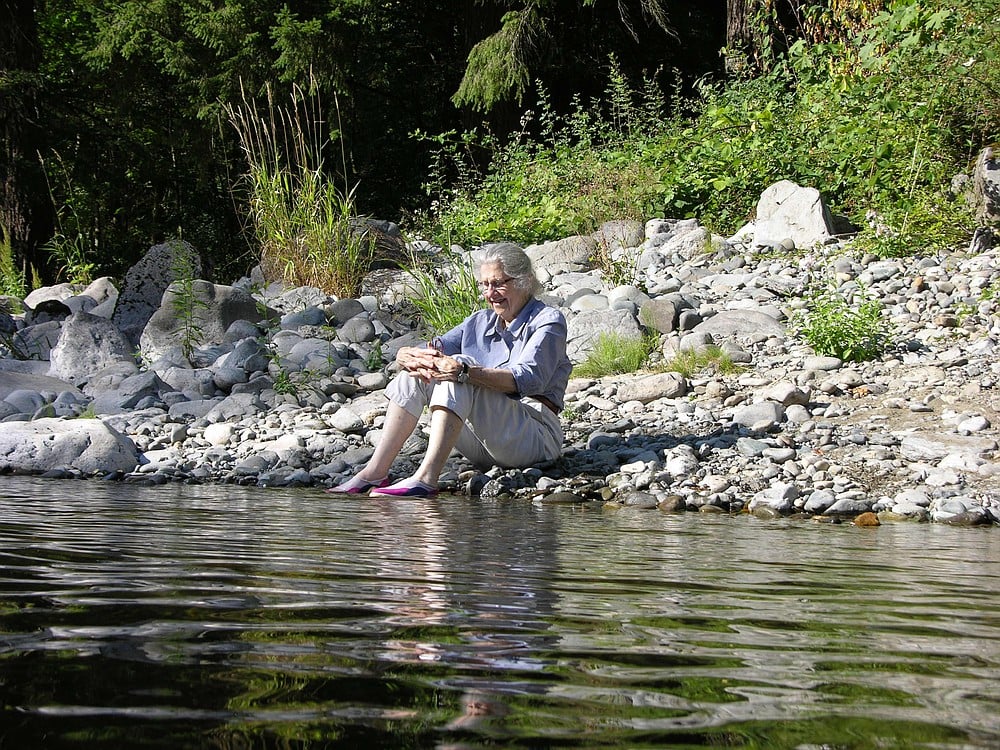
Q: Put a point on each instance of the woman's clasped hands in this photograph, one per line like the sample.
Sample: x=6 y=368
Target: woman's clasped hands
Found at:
x=429 y=363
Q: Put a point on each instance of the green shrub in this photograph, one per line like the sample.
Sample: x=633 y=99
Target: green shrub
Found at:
x=878 y=117
x=614 y=354
x=557 y=176
x=834 y=328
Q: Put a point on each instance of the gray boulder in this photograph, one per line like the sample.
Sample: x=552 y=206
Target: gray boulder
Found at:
x=104 y=293
x=659 y=314
x=36 y=341
x=58 y=292
x=357 y=330
x=760 y=417
x=561 y=256
x=130 y=394
x=780 y=497
x=85 y=445
x=585 y=328
x=49 y=310
x=309 y=316
x=146 y=282
x=297 y=299
x=26 y=400
x=686 y=241
x=651 y=387
x=195 y=315
x=623 y=233
x=235 y=407
x=986 y=187
x=86 y=345
x=343 y=310
x=660 y=232
x=741 y=325
x=195 y=383
x=19 y=376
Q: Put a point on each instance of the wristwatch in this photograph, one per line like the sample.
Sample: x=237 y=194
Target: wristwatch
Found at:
x=463 y=374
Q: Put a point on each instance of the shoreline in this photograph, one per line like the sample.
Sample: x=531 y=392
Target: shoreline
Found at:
x=911 y=435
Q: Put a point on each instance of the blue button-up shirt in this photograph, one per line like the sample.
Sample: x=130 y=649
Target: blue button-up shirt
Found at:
x=532 y=347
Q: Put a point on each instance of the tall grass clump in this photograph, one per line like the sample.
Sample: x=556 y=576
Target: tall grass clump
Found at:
x=879 y=117
x=614 y=354
x=307 y=228
x=12 y=281
x=445 y=293
x=74 y=243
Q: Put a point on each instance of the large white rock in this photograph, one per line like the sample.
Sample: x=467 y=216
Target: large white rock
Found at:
x=87 y=445
x=787 y=211
x=986 y=182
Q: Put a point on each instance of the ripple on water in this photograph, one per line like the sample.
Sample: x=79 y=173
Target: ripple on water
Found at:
x=222 y=616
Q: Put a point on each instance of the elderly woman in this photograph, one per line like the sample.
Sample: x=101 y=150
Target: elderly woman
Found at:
x=494 y=385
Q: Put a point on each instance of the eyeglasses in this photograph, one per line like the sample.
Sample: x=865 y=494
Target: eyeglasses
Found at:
x=498 y=284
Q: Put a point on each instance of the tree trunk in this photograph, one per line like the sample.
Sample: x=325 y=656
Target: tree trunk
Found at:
x=24 y=211
x=738 y=35
x=746 y=41
x=758 y=31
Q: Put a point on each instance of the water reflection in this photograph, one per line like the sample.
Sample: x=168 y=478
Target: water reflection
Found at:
x=230 y=617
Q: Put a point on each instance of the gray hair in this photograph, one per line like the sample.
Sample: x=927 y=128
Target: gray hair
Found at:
x=514 y=262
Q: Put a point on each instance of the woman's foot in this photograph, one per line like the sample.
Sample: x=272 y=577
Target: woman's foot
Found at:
x=405 y=488
x=357 y=486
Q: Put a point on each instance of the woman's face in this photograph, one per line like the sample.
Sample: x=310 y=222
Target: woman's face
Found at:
x=499 y=291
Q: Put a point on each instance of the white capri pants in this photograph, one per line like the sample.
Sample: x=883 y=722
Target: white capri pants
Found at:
x=499 y=430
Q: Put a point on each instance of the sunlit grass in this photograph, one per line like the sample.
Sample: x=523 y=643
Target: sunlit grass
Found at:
x=614 y=354
x=689 y=362
x=307 y=228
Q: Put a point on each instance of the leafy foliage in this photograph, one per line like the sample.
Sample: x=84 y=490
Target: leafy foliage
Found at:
x=878 y=117
x=877 y=108
x=498 y=68
x=835 y=328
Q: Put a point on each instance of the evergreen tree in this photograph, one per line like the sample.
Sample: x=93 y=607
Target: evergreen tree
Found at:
x=24 y=215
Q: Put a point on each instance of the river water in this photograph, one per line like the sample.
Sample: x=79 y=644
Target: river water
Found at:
x=195 y=616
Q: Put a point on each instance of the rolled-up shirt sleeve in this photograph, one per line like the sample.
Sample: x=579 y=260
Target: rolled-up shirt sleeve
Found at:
x=537 y=363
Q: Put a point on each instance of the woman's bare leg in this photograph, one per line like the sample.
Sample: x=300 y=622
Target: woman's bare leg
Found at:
x=396 y=429
x=446 y=426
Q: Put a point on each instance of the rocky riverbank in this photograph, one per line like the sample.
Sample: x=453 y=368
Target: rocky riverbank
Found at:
x=261 y=385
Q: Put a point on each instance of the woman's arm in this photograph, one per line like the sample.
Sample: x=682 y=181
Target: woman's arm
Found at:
x=496 y=379
x=437 y=366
